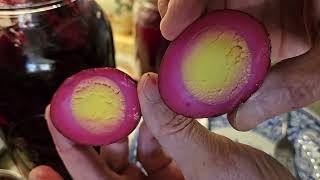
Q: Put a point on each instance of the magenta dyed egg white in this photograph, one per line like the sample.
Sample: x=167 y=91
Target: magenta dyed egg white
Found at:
x=217 y=63
x=96 y=106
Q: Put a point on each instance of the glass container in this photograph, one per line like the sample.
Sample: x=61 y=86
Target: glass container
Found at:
x=42 y=42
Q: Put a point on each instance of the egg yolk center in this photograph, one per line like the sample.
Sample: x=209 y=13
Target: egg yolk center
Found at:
x=97 y=103
x=217 y=63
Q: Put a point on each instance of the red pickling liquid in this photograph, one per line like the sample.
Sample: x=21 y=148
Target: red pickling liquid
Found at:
x=3 y=121
x=36 y=55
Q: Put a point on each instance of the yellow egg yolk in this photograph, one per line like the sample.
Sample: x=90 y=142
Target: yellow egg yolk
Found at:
x=217 y=63
x=97 y=103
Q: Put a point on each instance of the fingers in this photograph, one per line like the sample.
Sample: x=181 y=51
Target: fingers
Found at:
x=180 y=137
x=153 y=158
x=82 y=162
x=163 y=7
x=160 y=120
x=44 y=172
x=178 y=14
x=150 y=153
x=132 y=173
x=198 y=153
x=116 y=155
x=290 y=85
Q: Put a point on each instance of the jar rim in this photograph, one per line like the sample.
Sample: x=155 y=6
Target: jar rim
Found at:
x=31 y=7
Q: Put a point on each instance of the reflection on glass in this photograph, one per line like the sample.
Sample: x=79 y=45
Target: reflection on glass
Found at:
x=41 y=44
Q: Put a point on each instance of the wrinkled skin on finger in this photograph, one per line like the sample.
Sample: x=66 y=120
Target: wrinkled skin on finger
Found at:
x=199 y=153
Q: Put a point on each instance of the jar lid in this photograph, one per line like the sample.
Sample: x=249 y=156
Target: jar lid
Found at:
x=19 y=7
x=23 y=4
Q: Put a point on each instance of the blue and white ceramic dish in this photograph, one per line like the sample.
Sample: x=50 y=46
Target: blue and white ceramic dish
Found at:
x=303 y=132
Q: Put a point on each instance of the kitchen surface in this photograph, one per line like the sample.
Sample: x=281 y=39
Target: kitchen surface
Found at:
x=132 y=26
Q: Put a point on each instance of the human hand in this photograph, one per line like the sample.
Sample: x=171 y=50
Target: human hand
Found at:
x=170 y=146
x=83 y=162
x=293 y=27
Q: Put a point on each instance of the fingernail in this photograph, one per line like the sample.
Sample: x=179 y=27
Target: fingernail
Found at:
x=47 y=112
x=150 y=88
x=248 y=116
x=239 y=118
x=166 y=32
x=236 y=120
x=232 y=117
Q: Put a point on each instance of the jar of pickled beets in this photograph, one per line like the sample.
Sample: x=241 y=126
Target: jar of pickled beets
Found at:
x=42 y=42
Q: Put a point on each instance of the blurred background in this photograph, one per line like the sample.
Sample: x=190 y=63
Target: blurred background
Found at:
x=42 y=42
x=138 y=41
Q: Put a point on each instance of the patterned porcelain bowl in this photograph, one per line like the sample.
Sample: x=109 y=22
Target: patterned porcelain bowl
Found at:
x=303 y=133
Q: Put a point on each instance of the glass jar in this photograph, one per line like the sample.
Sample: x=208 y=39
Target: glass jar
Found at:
x=42 y=42
x=150 y=43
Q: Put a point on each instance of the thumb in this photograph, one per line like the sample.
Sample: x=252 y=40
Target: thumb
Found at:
x=178 y=14
x=159 y=118
x=44 y=172
x=197 y=152
x=179 y=136
x=291 y=84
